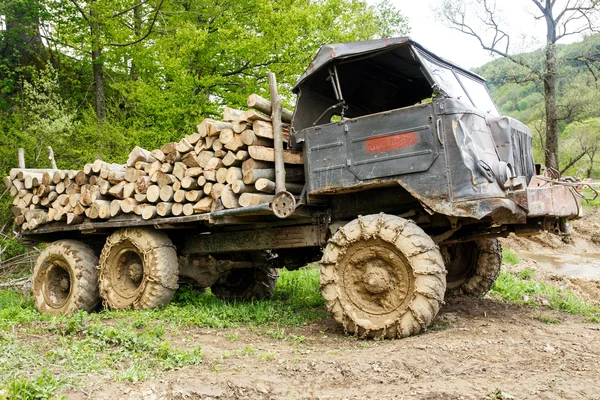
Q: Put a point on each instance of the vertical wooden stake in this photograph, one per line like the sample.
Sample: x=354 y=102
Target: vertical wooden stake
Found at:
x=277 y=135
x=21 y=158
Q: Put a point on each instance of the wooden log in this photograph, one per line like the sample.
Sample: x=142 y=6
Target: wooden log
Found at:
x=207 y=143
x=166 y=193
x=253 y=115
x=217 y=145
x=177 y=209
x=168 y=148
x=73 y=219
x=108 y=169
x=265 y=130
x=7 y=182
x=72 y=188
x=193 y=138
x=46 y=201
x=127 y=205
x=233 y=174
x=47 y=178
x=193 y=196
x=140 y=197
x=128 y=189
x=292 y=174
x=33 y=180
x=201 y=180
x=240 y=187
x=231 y=159
x=132 y=174
x=139 y=154
x=173 y=157
x=204 y=205
x=184 y=146
x=207 y=188
x=149 y=212
x=190 y=160
x=176 y=185
x=249 y=138
x=188 y=209
x=210 y=127
x=115 y=208
x=115 y=177
x=226 y=136
x=21 y=157
x=268 y=186
x=87 y=169
x=231 y=114
x=179 y=196
x=179 y=170
x=220 y=153
x=165 y=179
x=164 y=209
x=74 y=199
x=166 y=168
x=142 y=184
x=204 y=157
x=81 y=178
x=235 y=144
x=222 y=175
x=229 y=198
x=261 y=104
x=268 y=154
x=254 y=199
x=117 y=190
x=240 y=126
x=158 y=155
x=153 y=193
x=216 y=190
x=189 y=182
x=193 y=172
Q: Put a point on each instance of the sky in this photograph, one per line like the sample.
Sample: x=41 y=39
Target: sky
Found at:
x=458 y=47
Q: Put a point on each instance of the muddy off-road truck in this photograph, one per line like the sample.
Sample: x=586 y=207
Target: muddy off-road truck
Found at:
x=411 y=175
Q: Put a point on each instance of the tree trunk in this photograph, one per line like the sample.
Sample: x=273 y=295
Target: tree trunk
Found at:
x=551 y=149
x=97 y=65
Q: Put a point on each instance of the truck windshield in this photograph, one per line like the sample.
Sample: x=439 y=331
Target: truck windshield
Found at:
x=460 y=86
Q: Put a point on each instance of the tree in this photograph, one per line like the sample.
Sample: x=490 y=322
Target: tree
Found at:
x=482 y=20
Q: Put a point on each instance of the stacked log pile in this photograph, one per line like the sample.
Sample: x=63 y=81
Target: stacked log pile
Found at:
x=225 y=164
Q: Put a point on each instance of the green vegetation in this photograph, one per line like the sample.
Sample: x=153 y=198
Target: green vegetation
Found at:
x=137 y=345
x=520 y=96
x=509 y=257
x=526 y=291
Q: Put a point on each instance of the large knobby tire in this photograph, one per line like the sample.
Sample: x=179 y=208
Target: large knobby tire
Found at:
x=246 y=284
x=382 y=277
x=65 y=279
x=472 y=266
x=138 y=269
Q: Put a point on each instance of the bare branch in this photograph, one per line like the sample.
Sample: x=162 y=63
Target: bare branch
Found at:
x=147 y=33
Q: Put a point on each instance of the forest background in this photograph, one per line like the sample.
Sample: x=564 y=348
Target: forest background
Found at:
x=95 y=78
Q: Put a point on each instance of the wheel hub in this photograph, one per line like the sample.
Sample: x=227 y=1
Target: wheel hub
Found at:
x=128 y=273
x=57 y=285
x=376 y=278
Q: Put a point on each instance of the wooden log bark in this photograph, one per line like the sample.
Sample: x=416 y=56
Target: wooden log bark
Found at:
x=268 y=186
x=235 y=144
x=142 y=184
x=184 y=146
x=263 y=105
x=268 y=154
x=179 y=170
x=169 y=148
x=231 y=114
x=193 y=172
x=210 y=127
x=190 y=160
x=249 y=138
x=139 y=154
x=240 y=187
x=254 y=199
x=253 y=115
x=240 y=126
x=265 y=130
x=203 y=206
x=229 y=198
x=158 y=155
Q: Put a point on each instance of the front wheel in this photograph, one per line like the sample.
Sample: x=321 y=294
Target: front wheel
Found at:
x=382 y=277
x=65 y=279
x=138 y=269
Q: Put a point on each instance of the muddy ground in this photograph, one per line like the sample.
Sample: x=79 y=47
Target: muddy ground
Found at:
x=476 y=349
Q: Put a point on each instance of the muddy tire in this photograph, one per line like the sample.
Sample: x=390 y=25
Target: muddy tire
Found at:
x=138 y=269
x=65 y=279
x=246 y=284
x=472 y=266
x=382 y=277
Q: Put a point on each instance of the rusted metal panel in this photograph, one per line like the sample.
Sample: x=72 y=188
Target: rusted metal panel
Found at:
x=547 y=199
x=251 y=240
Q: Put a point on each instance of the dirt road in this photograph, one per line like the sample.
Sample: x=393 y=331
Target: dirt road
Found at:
x=476 y=349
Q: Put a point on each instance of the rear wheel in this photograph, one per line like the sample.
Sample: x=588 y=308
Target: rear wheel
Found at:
x=382 y=277
x=246 y=284
x=472 y=266
x=65 y=279
x=138 y=269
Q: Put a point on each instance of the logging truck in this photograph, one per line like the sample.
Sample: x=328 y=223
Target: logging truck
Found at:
x=395 y=171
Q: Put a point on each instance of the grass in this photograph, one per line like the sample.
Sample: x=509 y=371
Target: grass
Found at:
x=510 y=257
x=589 y=194
x=521 y=288
x=134 y=345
